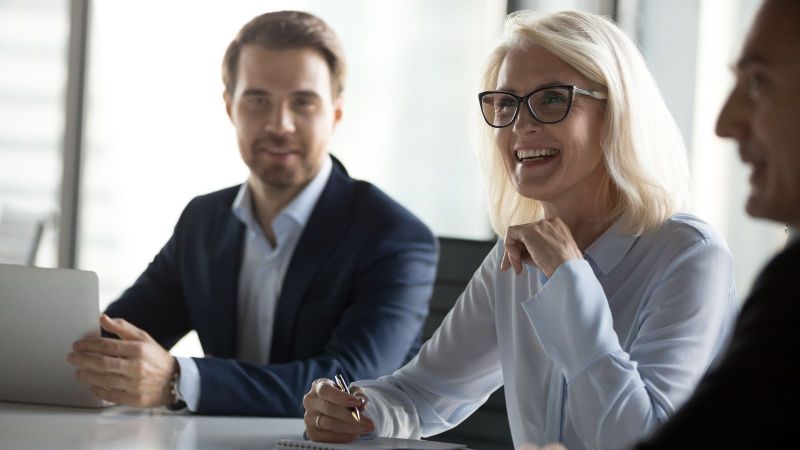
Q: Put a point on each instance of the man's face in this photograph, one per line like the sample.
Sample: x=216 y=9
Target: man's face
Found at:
x=284 y=114
x=763 y=112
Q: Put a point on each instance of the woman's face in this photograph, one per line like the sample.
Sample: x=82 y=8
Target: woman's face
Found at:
x=568 y=166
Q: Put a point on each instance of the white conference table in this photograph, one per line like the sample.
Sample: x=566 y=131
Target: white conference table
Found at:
x=39 y=427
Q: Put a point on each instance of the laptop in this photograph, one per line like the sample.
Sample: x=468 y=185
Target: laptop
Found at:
x=42 y=312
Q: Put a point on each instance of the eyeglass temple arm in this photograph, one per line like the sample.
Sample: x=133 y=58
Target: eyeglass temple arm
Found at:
x=594 y=94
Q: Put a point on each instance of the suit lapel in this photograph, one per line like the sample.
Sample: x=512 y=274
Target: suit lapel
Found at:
x=322 y=233
x=226 y=261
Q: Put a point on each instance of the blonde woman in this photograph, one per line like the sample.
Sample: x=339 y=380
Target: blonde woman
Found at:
x=616 y=303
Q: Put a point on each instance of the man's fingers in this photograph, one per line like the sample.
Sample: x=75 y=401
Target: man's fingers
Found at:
x=100 y=363
x=116 y=396
x=124 y=329
x=104 y=380
x=108 y=347
x=121 y=397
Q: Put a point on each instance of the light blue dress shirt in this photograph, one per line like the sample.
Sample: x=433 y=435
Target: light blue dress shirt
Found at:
x=261 y=277
x=595 y=357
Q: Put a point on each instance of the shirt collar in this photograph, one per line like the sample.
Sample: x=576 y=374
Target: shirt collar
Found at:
x=794 y=235
x=609 y=249
x=299 y=209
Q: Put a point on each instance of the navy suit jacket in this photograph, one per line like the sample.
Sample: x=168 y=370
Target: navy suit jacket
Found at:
x=353 y=300
x=750 y=400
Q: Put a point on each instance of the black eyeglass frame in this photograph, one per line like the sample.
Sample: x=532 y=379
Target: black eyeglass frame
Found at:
x=599 y=95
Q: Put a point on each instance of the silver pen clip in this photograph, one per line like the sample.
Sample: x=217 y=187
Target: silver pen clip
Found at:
x=342 y=384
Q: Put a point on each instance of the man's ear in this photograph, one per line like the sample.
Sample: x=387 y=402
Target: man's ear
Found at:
x=228 y=103
x=337 y=109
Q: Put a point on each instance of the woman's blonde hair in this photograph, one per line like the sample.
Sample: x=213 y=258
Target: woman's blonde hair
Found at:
x=643 y=150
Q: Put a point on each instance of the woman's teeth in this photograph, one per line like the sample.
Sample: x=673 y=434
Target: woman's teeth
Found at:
x=537 y=153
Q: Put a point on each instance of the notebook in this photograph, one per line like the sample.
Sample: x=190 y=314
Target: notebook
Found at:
x=365 y=443
x=42 y=312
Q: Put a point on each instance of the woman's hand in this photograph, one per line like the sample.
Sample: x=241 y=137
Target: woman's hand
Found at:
x=329 y=413
x=546 y=447
x=545 y=244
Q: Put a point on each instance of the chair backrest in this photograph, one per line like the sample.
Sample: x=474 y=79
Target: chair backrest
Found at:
x=20 y=234
x=487 y=428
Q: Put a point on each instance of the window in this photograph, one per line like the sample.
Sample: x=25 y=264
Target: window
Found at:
x=33 y=55
x=689 y=47
x=157 y=133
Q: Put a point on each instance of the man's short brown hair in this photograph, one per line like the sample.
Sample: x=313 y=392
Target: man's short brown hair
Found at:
x=286 y=30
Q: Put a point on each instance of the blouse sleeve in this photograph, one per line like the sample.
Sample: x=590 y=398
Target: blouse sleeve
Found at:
x=454 y=372
x=615 y=397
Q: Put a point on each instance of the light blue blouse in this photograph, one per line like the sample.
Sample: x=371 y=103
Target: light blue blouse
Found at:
x=595 y=357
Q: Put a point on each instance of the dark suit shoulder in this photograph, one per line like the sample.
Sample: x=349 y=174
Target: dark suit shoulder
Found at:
x=370 y=201
x=775 y=297
x=208 y=211
x=373 y=207
x=782 y=267
x=213 y=201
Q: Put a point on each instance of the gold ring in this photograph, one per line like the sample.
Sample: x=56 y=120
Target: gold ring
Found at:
x=316 y=422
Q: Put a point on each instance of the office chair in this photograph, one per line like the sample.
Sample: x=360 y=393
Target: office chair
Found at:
x=20 y=235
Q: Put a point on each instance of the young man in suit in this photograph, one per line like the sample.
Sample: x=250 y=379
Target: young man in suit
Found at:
x=749 y=401
x=299 y=273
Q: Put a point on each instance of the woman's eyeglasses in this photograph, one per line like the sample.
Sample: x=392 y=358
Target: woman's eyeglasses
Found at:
x=549 y=104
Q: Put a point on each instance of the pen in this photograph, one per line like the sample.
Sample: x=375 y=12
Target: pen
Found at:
x=344 y=388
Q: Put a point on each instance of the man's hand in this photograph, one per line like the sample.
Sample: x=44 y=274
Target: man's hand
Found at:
x=133 y=371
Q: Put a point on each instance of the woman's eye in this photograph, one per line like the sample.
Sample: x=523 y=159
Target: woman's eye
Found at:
x=553 y=98
x=506 y=103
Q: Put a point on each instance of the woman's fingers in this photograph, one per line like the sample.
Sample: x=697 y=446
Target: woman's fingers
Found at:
x=316 y=432
x=329 y=415
x=347 y=425
x=545 y=244
x=361 y=394
x=326 y=389
x=553 y=446
x=516 y=252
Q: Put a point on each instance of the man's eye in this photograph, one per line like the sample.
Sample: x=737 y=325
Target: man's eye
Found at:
x=303 y=104
x=258 y=101
x=753 y=84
